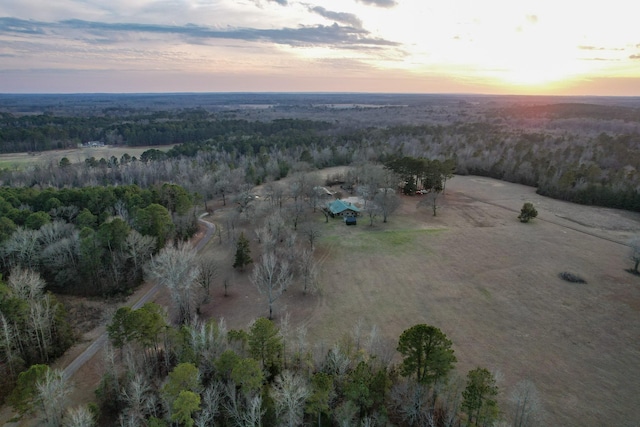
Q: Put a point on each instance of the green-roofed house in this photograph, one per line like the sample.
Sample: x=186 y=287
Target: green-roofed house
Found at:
x=342 y=208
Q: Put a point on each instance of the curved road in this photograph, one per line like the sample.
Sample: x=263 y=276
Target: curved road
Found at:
x=99 y=342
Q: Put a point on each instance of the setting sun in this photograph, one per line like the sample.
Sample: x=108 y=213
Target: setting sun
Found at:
x=288 y=45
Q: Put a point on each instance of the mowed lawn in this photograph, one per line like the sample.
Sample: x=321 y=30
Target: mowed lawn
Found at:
x=491 y=284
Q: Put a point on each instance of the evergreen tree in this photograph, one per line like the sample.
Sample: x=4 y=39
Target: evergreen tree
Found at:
x=479 y=398
x=243 y=253
x=527 y=213
x=265 y=344
x=427 y=353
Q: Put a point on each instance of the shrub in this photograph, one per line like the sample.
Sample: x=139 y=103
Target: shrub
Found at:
x=527 y=213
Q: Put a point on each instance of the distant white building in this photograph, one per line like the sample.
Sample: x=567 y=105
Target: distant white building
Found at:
x=93 y=144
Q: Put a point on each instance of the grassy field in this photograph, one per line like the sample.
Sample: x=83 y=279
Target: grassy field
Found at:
x=491 y=284
x=76 y=155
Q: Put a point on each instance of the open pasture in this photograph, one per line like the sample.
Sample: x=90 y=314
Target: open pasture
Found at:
x=76 y=155
x=491 y=284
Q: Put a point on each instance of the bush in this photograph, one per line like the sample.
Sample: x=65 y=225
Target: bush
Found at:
x=527 y=213
x=570 y=277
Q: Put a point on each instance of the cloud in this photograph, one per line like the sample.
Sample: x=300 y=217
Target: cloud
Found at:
x=317 y=35
x=380 y=3
x=341 y=17
x=13 y=25
x=280 y=2
x=588 y=47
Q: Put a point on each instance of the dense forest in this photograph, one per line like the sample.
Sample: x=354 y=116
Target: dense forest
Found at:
x=90 y=241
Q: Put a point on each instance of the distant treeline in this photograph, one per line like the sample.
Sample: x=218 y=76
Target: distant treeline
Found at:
x=33 y=133
x=578 y=152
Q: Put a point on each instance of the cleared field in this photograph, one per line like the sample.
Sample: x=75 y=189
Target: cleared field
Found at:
x=76 y=155
x=491 y=284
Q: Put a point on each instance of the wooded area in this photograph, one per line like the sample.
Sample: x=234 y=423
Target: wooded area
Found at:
x=585 y=153
x=99 y=227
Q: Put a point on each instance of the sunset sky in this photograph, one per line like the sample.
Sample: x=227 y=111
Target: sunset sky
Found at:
x=562 y=47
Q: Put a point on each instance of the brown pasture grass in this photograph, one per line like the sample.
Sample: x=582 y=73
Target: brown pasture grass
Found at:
x=490 y=283
x=75 y=155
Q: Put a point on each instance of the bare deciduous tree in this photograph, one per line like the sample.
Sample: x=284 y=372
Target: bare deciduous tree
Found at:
x=526 y=406
x=211 y=402
x=289 y=392
x=80 y=416
x=314 y=191
x=449 y=394
x=274 y=193
x=244 y=410
x=387 y=201
x=271 y=276
x=312 y=231
x=208 y=341
x=265 y=238
x=26 y=284
x=431 y=200
x=372 y=210
x=337 y=362
x=53 y=391
x=208 y=273
x=176 y=267
x=275 y=225
x=297 y=211
x=61 y=258
x=308 y=269
x=136 y=395
x=139 y=248
x=299 y=186
x=222 y=187
x=22 y=248
x=7 y=345
x=346 y=414
x=412 y=402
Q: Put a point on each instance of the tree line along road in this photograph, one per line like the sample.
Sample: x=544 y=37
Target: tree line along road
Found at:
x=99 y=342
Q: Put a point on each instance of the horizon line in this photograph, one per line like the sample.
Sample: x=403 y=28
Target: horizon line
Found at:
x=312 y=93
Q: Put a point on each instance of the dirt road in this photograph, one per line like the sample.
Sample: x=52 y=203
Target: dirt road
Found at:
x=99 y=342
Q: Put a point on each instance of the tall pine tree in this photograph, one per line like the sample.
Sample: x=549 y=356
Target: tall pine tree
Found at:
x=243 y=253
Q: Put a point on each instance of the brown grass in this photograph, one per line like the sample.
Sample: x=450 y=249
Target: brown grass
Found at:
x=75 y=155
x=491 y=284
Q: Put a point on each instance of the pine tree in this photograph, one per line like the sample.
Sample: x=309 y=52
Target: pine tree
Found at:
x=243 y=253
x=479 y=398
x=527 y=213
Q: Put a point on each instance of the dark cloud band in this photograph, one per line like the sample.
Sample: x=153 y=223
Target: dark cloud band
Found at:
x=341 y=17
x=335 y=35
x=380 y=3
